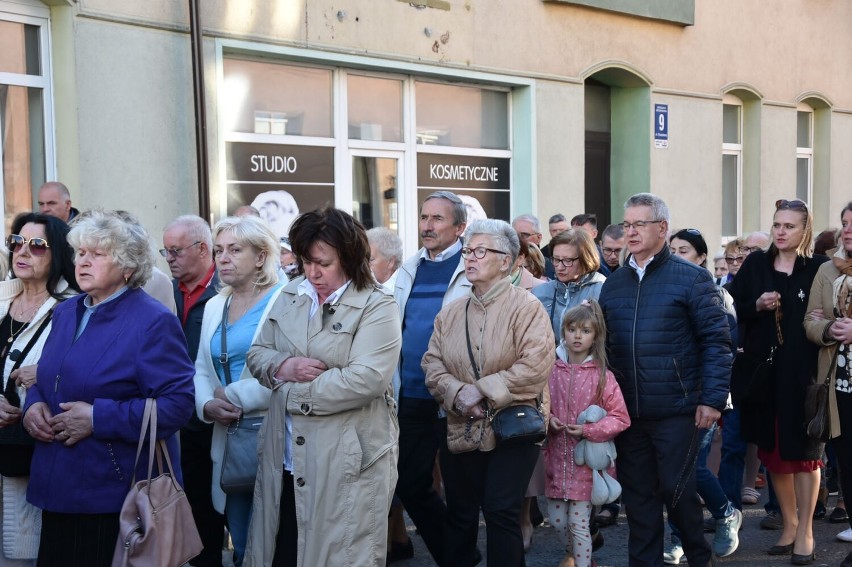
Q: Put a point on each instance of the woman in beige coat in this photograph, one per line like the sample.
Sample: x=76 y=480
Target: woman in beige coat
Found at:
x=328 y=447
x=828 y=323
x=511 y=341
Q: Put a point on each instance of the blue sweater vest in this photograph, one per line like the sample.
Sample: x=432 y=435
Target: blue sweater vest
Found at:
x=427 y=295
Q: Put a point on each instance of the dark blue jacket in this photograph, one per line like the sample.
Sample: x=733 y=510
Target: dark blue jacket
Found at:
x=668 y=340
x=131 y=349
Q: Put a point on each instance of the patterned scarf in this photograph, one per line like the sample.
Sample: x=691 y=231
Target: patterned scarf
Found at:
x=842 y=286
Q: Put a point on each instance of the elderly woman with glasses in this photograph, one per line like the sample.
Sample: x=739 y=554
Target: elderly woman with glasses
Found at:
x=576 y=261
x=489 y=350
x=771 y=294
x=109 y=349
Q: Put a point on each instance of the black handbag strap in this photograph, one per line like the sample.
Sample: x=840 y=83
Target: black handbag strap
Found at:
x=223 y=357
x=10 y=384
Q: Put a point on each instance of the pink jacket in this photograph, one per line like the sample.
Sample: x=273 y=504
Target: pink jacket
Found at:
x=572 y=390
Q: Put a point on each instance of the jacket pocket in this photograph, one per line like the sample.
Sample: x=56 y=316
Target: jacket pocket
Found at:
x=350 y=450
x=679 y=375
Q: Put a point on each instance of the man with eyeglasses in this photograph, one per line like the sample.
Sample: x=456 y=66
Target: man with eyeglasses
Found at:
x=611 y=245
x=669 y=346
x=425 y=283
x=187 y=246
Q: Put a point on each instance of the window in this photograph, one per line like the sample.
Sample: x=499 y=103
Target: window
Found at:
x=26 y=153
x=467 y=117
x=804 y=153
x=732 y=159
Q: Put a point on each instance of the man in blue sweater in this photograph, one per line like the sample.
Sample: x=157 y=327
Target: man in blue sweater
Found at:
x=669 y=346
x=425 y=283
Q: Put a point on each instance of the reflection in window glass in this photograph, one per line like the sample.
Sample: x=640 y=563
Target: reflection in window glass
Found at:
x=270 y=98
x=21 y=147
x=375 y=108
x=803 y=178
x=730 y=180
x=731 y=124
x=374 y=191
x=468 y=117
x=803 y=129
x=19 y=49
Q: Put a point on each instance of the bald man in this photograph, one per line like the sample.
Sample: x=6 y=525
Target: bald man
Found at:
x=54 y=199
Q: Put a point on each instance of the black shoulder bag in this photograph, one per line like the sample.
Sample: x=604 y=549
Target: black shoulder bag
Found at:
x=513 y=425
x=240 y=462
x=16 y=445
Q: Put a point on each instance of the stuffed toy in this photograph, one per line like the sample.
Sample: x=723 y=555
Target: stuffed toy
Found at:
x=599 y=457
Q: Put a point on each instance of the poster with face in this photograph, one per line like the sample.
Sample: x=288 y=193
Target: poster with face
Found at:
x=279 y=181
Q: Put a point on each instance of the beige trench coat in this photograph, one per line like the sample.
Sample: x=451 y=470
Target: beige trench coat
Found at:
x=345 y=431
x=822 y=297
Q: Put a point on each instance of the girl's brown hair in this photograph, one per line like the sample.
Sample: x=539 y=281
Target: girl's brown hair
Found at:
x=589 y=311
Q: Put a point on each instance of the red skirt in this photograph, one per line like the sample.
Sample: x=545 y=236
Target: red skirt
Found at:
x=775 y=464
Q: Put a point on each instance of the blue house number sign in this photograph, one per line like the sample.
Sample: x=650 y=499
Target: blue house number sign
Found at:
x=661 y=125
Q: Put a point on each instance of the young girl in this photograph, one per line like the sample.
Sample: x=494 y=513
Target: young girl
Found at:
x=579 y=379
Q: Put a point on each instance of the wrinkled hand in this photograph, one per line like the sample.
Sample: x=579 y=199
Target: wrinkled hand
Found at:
x=574 y=430
x=221 y=411
x=841 y=330
x=37 y=422
x=705 y=417
x=25 y=376
x=73 y=424
x=300 y=369
x=815 y=315
x=768 y=301
x=9 y=414
x=467 y=401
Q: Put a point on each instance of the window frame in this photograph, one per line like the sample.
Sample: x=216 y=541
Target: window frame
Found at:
x=735 y=149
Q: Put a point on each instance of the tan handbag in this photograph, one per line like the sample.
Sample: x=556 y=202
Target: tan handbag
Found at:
x=156 y=528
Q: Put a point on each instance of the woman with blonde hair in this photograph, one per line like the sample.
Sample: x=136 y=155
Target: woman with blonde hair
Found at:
x=246 y=255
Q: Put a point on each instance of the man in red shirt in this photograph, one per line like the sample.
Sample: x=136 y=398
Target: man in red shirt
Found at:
x=188 y=248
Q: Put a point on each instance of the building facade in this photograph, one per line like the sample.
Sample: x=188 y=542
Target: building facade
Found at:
x=719 y=106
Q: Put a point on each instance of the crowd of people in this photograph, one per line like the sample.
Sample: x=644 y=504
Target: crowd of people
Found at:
x=471 y=378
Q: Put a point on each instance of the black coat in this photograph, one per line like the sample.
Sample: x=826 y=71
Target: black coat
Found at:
x=794 y=363
x=668 y=340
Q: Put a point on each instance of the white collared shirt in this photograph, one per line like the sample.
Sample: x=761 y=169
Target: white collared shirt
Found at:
x=441 y=256
x=307 y=288
x=640 y=271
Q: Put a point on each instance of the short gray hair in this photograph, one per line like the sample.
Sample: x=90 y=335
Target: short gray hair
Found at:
x=659 y=209
x=530 y=219
x=505 y=237
x=196 y=228
x=558 y=217
x=387 y=242
x=459 y=208
x=126 y=241
x=254 y=232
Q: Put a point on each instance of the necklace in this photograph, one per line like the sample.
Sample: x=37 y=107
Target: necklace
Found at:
x=25 y=316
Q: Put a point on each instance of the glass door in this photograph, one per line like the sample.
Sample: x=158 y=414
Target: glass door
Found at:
x=375 y=188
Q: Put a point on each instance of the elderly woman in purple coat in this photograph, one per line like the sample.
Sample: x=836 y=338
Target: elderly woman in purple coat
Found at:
x=109 y=349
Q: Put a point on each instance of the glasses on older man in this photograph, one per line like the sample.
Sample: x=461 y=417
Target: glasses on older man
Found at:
x=639 y=224
x=176 y=252
x=38 y=246
x=479 y=252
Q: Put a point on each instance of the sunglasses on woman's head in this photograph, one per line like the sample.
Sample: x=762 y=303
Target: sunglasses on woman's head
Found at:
x=797 y=204
x=38 y=246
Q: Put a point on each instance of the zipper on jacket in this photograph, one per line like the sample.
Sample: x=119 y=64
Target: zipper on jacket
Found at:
x=633 y=347
x=680 y=379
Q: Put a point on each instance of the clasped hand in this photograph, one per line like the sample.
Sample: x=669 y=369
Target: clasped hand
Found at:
x=73 y=424
x=300 y=369
x=467 y=402
x=220 y=409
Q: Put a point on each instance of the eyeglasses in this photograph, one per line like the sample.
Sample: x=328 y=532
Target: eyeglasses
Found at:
x=749 y=249
x=564 y=262
x=38 y=246
x=734 y=259
x=479 y=252
x=176 y=252
x=692 y=231
x=639 y=224
x=793 y=204
x=612 y=251
x=528 y=235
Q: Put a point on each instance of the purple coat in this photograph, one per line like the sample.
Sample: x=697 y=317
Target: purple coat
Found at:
x=132 y=349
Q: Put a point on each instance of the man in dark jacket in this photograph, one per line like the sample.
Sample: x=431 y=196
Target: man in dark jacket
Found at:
x=188 y=248
x=669 y=346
